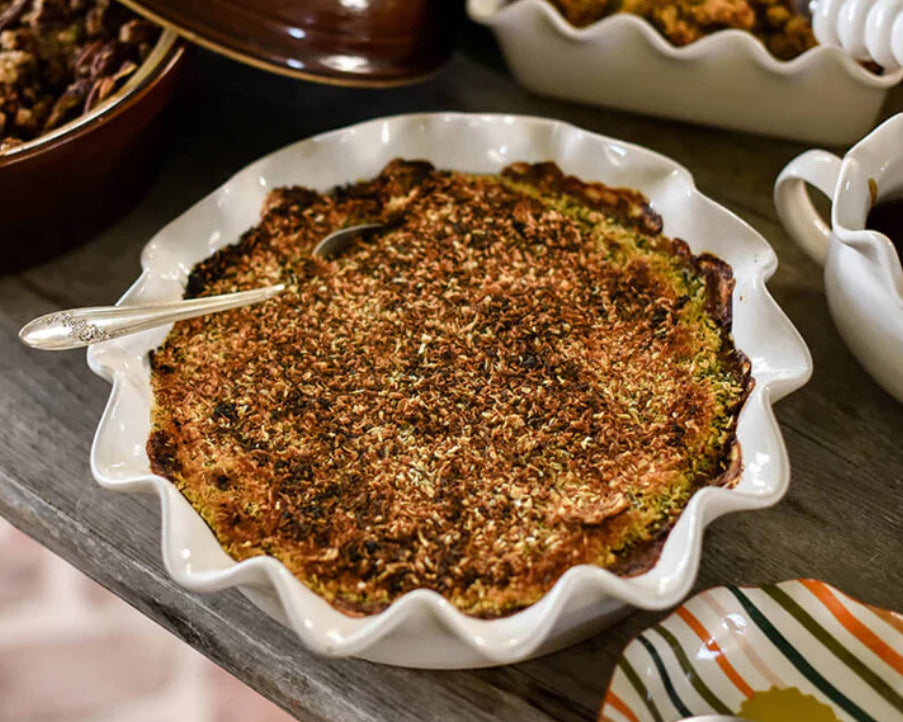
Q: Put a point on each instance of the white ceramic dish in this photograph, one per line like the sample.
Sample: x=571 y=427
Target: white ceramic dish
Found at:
x=422 y=629
x=727 y=79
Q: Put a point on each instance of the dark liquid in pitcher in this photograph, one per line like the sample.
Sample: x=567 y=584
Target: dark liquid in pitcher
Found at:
x=887 y=218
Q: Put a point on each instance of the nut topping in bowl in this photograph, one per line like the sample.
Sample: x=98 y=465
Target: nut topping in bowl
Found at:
x=83 y=98
x=61 y=58
x=520 y=374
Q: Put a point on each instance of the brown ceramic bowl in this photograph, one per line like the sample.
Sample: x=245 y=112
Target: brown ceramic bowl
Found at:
x=65 y=186
x=341 y=42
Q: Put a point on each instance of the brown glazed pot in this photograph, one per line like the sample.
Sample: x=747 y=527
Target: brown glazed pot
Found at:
x=344 y=42
x=59 y=190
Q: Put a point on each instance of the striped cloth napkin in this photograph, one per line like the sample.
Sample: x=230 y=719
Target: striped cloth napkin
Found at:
x=799 y=651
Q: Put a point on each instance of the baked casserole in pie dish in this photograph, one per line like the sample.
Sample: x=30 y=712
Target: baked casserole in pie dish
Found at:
x=487 y=429
x=515 y=375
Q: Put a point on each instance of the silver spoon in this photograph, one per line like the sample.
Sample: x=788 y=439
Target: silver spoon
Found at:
x=78 y=327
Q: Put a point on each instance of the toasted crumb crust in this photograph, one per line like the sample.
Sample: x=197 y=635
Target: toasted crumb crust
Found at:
x=518 y=375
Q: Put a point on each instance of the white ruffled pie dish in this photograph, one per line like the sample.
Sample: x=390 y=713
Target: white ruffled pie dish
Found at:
x=422 y=629
x=727 y=79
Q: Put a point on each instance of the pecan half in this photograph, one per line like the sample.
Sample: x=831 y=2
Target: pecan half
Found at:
x=61 y=58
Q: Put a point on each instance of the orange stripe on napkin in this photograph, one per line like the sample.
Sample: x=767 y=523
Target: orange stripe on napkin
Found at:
x=707 y=639
x=617 y=703
x=853 y=625
x=708 y=598
x=893 y=619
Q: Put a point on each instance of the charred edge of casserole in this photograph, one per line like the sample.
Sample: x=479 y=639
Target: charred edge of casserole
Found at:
x=641 y=558
x=627 y=206
x=632 y=208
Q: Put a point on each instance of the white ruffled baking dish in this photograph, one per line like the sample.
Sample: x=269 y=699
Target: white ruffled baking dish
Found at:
x=422 y=629
x=727 y=79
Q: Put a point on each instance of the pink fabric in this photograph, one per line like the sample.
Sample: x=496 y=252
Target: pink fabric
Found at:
x=71 y=652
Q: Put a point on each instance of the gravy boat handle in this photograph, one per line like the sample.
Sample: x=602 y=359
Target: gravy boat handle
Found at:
x=805 y=224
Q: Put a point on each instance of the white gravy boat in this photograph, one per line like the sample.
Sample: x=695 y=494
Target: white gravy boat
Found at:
x=863 y=275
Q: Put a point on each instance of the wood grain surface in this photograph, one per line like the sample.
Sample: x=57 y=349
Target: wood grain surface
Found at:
x=841 y=521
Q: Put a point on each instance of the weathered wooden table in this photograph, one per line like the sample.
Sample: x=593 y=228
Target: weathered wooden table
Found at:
x=841 y=521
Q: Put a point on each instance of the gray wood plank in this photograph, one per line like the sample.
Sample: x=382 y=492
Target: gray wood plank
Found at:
x=838 y=523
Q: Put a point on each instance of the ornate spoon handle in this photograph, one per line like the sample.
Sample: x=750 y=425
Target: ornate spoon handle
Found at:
x=80 y=327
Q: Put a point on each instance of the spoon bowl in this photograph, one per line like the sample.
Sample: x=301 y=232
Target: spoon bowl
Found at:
x=335 y=244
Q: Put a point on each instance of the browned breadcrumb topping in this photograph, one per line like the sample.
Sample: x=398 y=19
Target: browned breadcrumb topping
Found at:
x=518 y=375
x=784 y=31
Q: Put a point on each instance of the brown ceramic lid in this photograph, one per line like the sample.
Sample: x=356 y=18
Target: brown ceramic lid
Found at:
x=347 y=42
